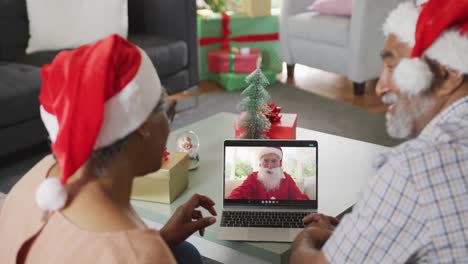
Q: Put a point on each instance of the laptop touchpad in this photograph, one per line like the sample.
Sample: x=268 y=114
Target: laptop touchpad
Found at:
x=268 y=234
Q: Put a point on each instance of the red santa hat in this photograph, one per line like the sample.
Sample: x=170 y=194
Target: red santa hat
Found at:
x=437 y=29
x=271 y=150
x=90 y=98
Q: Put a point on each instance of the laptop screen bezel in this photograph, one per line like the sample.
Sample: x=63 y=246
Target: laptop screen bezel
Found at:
x=282 y=204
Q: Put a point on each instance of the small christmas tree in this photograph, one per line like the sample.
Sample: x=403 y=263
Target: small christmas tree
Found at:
x=255 y=122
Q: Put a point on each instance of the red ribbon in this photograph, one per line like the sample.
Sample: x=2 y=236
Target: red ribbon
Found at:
x=274 y=114
x=226 y=32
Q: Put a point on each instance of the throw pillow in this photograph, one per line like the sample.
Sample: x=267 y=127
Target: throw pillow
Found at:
x=62 y=24
x=332 y=7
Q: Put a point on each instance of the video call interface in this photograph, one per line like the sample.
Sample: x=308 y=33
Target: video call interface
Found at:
x=259 y=175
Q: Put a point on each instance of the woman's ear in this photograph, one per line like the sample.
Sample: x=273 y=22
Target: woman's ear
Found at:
x=143 y=131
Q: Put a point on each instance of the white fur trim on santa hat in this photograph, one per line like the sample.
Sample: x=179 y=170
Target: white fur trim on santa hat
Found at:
x=412 y=76
x=127 y=110
x=402 y=22
x=269 y=150
x=420 y=2
x=51 y=195
x=124 y=112
x=450 y=50
x=50 y=123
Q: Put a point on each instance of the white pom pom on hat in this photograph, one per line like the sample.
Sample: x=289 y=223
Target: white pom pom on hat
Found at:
x=51 y=195
x=413 y=76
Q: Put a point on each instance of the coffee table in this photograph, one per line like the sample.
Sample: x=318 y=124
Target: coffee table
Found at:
x=344 y=168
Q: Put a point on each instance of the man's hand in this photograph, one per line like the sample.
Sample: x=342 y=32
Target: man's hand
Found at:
x=322 y=221
x=309 y=242
x=318 y=229
x=307 y=245
x=186 y=220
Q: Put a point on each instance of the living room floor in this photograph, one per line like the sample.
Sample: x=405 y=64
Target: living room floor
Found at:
x=316 y=81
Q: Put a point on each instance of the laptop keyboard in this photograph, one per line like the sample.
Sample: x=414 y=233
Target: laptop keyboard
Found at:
x=263 y=219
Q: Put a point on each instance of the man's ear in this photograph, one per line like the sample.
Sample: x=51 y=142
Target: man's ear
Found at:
x=450 y=81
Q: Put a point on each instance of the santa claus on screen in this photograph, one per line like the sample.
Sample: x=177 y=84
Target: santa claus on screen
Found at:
x=269 y=182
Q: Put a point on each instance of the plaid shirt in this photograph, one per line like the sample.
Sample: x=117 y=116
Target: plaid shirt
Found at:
x=416 y=208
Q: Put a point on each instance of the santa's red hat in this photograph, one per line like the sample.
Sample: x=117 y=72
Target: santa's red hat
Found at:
x=271 y=150
x=437 y=29
x=90 y=98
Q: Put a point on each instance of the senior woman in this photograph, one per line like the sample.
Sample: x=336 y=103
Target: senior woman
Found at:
x=102 y=106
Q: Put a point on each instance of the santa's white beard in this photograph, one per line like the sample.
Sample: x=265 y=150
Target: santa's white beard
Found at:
x=270 y=178
x=401 y=122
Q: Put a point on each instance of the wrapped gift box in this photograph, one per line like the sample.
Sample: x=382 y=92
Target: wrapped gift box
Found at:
x=236 y=81
x=165 y=185
x=242 y=31
x=244 y=60
x=284 y=129
x=257 y=8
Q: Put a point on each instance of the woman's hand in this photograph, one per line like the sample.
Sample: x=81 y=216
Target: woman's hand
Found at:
x=186 y=220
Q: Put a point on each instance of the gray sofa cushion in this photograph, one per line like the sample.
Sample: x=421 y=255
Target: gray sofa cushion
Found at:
x=168 y=56
x=176 y=82
x=19 y=86
x=332 y=30
x=38 y=58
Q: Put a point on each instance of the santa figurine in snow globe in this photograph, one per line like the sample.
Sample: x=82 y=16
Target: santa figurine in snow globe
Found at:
x=188 y=142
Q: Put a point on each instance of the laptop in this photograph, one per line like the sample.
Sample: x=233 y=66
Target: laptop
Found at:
x=269 y=186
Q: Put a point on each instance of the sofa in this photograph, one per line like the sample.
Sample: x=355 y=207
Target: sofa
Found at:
x=165 y=29
x=347 y=46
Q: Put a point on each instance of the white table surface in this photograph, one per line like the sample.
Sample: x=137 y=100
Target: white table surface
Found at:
x=344 y=168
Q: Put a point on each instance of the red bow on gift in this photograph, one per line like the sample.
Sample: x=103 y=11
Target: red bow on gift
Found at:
x=274 y=114
x=166 y=154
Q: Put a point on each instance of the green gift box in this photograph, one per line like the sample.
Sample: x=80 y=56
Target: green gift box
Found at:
x=222 y=31
x=236 y=81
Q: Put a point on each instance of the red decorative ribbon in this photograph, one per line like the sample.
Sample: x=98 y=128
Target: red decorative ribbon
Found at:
x=274 y=114
x=166 y=155
x=226 y=32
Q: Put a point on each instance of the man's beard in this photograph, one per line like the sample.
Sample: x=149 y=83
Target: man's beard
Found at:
x=401 y=121
x=270 y=178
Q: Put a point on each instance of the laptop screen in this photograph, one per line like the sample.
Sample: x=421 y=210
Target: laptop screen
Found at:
x=274 y=173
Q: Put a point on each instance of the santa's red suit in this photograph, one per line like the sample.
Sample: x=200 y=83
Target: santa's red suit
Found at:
x=252 y=188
